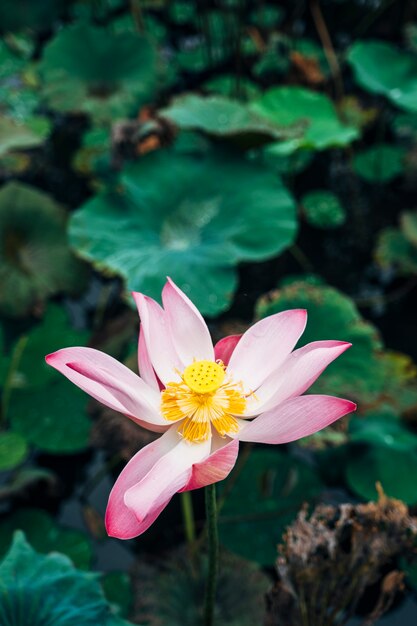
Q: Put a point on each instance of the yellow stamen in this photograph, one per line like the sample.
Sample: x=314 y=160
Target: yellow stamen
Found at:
x=203 y=398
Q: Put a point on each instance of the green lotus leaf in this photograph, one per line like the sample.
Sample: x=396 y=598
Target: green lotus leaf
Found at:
x=45 y=535
x=37 y=589
x=313 y=112
x=252 y=520
x=53 y=419
x=381 y=68
x=52 y=333
x=380 y=163
x=382 y=428
x=13 y=450
x=193 y=217
x=323 y=209
x=394 y=468
x=365 y=372
x=15 y=135
x=35 y=261
x=223 y=117
x=87 y=69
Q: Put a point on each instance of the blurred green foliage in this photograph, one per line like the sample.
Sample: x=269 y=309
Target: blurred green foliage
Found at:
x=265 y=158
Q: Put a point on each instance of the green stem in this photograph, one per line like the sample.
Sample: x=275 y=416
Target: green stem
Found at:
x=14 y=364
x=188 y=517
x=213 y=555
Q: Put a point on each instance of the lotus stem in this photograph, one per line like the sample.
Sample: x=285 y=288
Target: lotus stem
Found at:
x=188 y=517
x=213 y=555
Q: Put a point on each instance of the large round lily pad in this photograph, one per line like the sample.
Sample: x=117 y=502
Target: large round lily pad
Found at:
x=88 y=69
x=47 y=589
x=191 y=217
x=313 y=113
x=35 y=261
x=381 y=68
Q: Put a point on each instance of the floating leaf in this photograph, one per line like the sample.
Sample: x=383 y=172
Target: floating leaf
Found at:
x=52 y=333
x=195 y=216
x=220 y=116
x=52 y=419
x=323 y=209
x=54 y=591
x=13 y=450
x=395 y=469
x=15 y=135
x=107 y=76
x=381 y=68
x=313 y=112
x=35 y=261
x=45 y=535
x=252 y=519
x=380 y=163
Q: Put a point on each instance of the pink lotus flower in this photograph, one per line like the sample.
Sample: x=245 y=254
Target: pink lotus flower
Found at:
x=203 y=400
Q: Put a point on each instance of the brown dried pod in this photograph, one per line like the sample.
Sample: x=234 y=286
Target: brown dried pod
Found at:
x=329 y=558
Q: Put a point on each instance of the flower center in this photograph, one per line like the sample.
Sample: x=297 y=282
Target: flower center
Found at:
x=204 y=397
x=204 y=376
